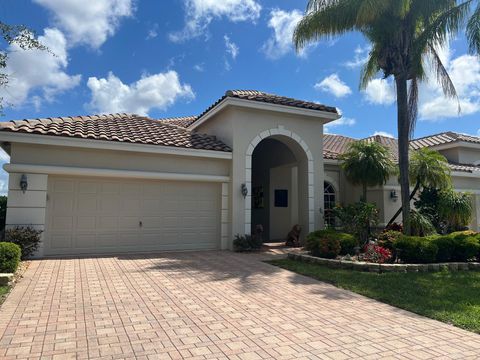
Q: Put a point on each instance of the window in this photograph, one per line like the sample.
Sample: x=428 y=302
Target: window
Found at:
x=328 y=204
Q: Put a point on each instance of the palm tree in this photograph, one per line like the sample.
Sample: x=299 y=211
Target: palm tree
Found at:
x=428 y=168
x=367 y=164
x=404 y=35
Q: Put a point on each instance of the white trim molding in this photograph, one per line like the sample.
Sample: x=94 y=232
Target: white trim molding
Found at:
x=280 y=131
x=109 y=145
x=94 y=172
x=229 y=101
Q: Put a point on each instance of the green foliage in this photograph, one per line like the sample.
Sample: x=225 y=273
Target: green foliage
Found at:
x=323 y=243
x=429 y=168
x=416 y=249
x=368 y=164
x=358 y=219
x=9 y=257
x=427 y=205
x=459 y=246
x=421 y=225
x=27 y=238
x=388 y=238
x=455 y=209
x=3 y=212
x=348 y=242
x=243 y=243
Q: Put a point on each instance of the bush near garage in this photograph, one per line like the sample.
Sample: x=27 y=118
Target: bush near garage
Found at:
x=10 y=255
x=27 y=238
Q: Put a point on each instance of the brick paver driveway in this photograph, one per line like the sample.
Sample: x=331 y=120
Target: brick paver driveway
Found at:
x=207 y=305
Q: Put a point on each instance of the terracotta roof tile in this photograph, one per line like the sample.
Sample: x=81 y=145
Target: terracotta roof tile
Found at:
x=443 y=138
x=117 y=127
x=184 y=121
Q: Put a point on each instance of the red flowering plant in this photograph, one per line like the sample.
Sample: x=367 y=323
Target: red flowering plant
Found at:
x=376 y=254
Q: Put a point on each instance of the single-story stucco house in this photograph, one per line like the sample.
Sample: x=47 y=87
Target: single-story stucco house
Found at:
x=127 y=183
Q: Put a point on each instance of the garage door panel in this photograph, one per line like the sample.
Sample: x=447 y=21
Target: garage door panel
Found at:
x=108 y=216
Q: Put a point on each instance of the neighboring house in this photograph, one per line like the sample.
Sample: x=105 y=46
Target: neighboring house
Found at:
x=462 y=152
x=127 y=183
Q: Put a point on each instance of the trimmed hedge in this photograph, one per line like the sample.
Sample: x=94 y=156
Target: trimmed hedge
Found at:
x=416 y=249
x=454 y=247
x=330 y=243
x=9 y=257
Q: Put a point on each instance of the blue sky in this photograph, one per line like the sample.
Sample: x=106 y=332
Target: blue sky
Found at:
x=176 y=57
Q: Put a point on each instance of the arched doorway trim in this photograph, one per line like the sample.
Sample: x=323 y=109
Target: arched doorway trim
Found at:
x=280 y=131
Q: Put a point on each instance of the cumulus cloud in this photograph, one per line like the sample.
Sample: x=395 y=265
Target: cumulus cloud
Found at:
x=157 y=91
x=465 y=74
x=200 y=13
x=383 y=133
x=334 y=85
x=88 y=22
x=380 y=92
x=283 y=24
x=361 y=54
x=343 y=121
x=38 y=71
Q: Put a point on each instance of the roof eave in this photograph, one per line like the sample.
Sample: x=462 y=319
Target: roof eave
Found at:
x=326 y=116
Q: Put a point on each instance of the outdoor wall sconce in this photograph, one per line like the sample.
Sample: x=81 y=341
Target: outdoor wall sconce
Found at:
x=24 y=183
x=244 y=190
x=393 y=195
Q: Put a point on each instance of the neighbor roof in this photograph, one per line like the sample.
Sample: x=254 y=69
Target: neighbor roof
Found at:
x=335 y=145
x=117 y=127
x=443 y=138
x=184 y=121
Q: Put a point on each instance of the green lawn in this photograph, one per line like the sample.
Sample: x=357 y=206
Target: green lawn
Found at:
x=3 y=293
x=451 y=297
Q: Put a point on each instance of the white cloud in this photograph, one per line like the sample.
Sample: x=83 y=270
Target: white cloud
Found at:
x=157 y=91
x=200 y=13
x=380 y=92
x=35 y=70
x=465 y=74
x=232 y=49
x=88 y=22
x=153 y=32
x=383 y=133
x=199 y=67
x=334 y=85
x=343 y=121
x=283 y=24
x=360 y=57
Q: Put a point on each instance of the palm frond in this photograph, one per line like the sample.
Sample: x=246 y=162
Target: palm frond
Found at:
x=369 y=70
x=473 y=31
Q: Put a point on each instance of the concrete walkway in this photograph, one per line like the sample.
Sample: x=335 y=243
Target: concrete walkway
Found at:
x=207 y=305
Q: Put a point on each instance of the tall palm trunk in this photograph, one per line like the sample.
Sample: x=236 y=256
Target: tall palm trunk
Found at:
x=403 y=123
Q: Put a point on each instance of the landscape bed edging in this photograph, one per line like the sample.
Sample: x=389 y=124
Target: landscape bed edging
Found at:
x=383 y=268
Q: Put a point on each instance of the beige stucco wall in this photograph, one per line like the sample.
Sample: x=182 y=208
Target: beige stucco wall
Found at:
x=238 y=127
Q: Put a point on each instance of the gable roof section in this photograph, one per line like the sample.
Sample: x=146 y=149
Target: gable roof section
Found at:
x=184 y=121
x=442 y=139
x=125 y=128
x=263 y=97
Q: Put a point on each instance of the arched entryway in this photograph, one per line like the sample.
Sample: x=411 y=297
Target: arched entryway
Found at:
x=280 y=183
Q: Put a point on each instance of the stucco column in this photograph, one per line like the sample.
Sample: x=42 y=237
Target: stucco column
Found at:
x=27 y=208
x=225 y=217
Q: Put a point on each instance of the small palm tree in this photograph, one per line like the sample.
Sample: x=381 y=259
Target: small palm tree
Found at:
x=367 y=164
x=404 y=35
x=428 y=168
x=455 y=208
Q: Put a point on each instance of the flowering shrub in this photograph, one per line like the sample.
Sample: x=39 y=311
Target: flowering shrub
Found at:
x=376 y=254
x=323 y=243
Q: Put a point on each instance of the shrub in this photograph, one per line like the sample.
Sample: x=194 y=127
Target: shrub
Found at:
x=358 y=219
x=376 y=254
x=246 y=243
x=416 y=250
x=421 y=225
x=26 y=237
x=459 y=246
x=323 y=243
x=455 y=209
x=387 y=239
x=9 y=257
x=394 y=227
x=348 y=242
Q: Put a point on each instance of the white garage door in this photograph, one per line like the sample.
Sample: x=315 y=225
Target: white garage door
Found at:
x=92 y=215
